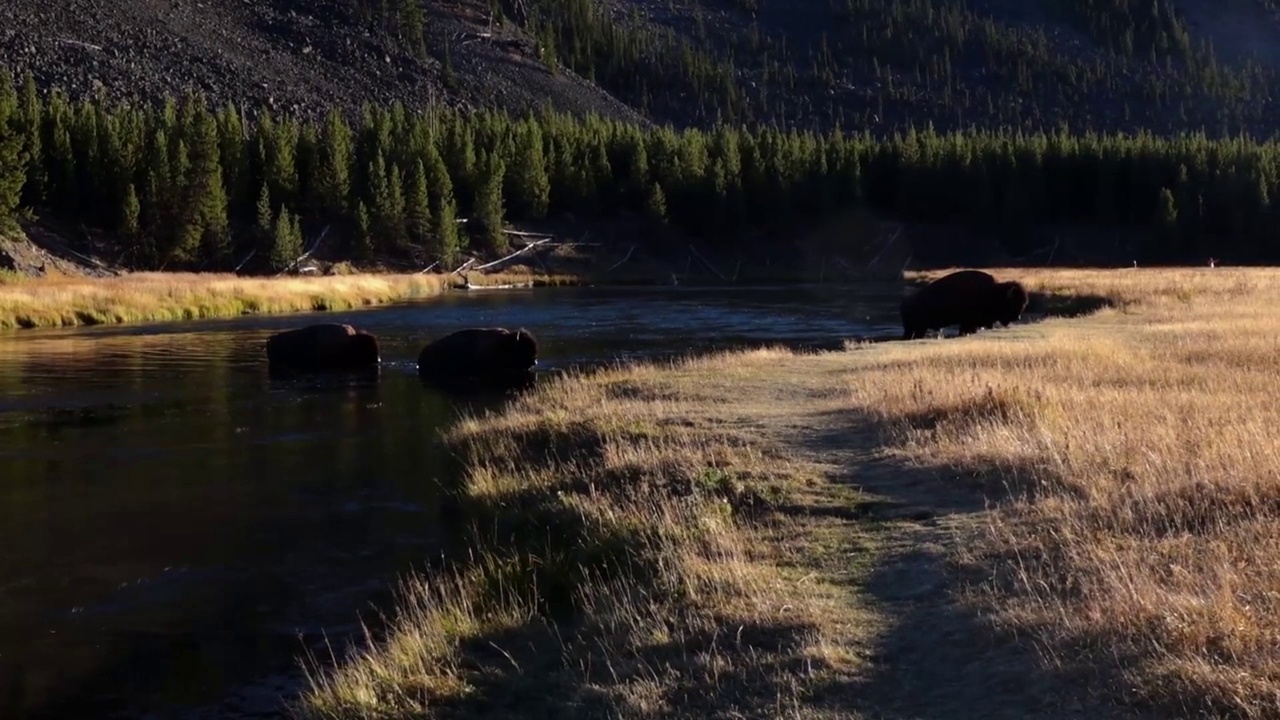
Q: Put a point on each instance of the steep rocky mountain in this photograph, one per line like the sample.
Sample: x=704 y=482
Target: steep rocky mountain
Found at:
x=1163 y=65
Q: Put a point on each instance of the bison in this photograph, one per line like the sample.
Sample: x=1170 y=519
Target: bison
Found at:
x=971 y=299
x=323 y=347
x=491 y=358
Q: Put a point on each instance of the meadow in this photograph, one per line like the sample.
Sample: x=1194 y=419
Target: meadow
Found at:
x=1064 y=516
x=55 y=301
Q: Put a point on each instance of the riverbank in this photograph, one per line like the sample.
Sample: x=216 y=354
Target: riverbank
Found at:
x=153 y=297
x=781 y=534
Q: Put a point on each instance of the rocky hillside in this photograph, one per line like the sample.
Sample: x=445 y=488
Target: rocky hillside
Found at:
x=1163 y=65
x=296 y=56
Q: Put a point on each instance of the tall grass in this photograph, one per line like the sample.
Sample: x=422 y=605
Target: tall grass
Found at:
x=148 y=297
x=614 y=569
x=1137 y=451
x=626 y=555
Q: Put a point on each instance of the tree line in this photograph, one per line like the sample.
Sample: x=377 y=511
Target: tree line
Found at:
x=187 y=185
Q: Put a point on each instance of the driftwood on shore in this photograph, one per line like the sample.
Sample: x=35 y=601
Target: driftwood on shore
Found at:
x=314 y=246
x=521 y=251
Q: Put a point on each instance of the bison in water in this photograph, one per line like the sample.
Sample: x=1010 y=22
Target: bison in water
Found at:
x=971 y=299
x=490 y=358
x=323 y=347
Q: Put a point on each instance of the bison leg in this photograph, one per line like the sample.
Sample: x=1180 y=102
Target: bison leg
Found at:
x=968 y=329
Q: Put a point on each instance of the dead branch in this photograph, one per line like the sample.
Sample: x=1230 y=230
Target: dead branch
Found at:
x=77 y=43
x=463 y=266
x=428 y=268
x=246 y=259
x=521 y=251
x=314 y=246
x=619 y=263
x=885 y=249
x=706 y=262
x=522 y=233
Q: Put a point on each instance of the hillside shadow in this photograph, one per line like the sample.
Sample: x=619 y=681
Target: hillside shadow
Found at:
x=940 y=657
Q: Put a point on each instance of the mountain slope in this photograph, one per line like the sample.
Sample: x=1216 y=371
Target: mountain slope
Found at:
x=296 y=56
x=1164 y=66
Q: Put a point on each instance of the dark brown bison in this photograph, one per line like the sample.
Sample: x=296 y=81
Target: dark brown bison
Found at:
x=476 y=358
x=971 y=299
x=323 y=347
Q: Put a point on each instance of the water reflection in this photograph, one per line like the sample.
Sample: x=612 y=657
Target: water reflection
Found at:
x=172 y=518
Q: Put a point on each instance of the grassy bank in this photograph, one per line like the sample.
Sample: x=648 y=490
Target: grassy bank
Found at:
x=615 y=568
x=152 y=297
x=770 y=534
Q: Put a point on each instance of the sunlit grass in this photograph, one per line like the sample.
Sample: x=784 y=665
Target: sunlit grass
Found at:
x=1141 y=449
x=151 y=297
x=615 y=564
x=624 y=521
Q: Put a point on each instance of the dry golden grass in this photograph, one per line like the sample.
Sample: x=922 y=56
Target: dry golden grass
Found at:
x=632 y=555
x=615 y=570
x=148 y=297
x=1140 y=445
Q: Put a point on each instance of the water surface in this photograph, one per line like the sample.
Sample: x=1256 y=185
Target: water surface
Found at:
x=176 y=527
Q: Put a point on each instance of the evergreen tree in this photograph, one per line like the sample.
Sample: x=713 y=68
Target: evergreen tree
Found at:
x=332 y=184
x=205 y=195
x=1163 y=238
x=264 y=227
x=129 y=223
x=527 y=184
x=418 y=207
x=188 y=221
x=445 y=243
x=363 y=244
x=485 y=224
x=655 y=204
x=31 y=115
x=286 y=243
x=13 y=166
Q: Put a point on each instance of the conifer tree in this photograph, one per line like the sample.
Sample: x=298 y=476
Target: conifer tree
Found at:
x=446 y=242
x=129 y=222
x=1164 y=232
x=286 y=243
x=188 y=221
x=233 y=157
x=527 y=184
x=205 y=195
x=391 y=219
x=13 y=166
x=31 y=114
x=363 y=241
x=332 y=184
x=418 y=208
x=486 y=220
x=264 y=225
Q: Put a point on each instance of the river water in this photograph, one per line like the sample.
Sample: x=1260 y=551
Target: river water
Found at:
x=177 y=529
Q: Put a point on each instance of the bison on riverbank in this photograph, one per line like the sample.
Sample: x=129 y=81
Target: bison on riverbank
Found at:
x=971 y=299
x=323 y=347
x=488 y=358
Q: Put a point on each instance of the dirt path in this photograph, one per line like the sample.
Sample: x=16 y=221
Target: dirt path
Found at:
x=929 y=655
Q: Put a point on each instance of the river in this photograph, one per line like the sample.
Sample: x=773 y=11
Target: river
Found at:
x=177 y=529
